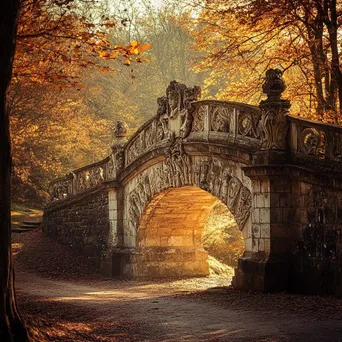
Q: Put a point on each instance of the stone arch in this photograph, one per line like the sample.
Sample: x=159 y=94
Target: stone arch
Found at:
x=221 y=178
x=170 y=232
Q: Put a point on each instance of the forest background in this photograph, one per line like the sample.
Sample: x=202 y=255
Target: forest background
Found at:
x=80 y=66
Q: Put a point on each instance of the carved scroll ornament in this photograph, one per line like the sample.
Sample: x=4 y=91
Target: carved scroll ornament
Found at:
x=220 y=118
x=273 y=128
x=199 y=117
x=248 y=124
x=312 y=142
x=60 y=190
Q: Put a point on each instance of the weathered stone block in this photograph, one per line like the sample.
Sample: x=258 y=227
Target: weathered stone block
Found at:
x=265 y=215
x=256 y=231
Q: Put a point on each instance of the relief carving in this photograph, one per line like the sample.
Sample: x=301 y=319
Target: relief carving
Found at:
x=216 y=177
x=234 y=187
x=135 y=148
x=177 y=170
x=244 y=207
x=204 y=171
x=162 y=121
x=149 y=136
x=60 y=190
x=273 y=125
x=187 y=114
x=199 y=117
x=178 y=164
x=310 y=141
x=220 y=118
x=175 y=111
x=90 y=178
x=248 y=124
x=157 y=180
x=273 y=128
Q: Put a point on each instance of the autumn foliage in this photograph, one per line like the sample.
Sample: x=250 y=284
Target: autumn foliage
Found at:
x=53 y=130
x=240 y=40
x=75 y=73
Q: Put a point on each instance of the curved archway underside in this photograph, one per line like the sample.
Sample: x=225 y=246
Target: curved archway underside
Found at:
x=169 y=236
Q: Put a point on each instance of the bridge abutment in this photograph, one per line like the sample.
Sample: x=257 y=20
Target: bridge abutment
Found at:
x=267 y=267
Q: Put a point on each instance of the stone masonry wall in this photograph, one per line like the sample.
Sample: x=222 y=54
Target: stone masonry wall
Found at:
x=317 y=258
x=83 y=225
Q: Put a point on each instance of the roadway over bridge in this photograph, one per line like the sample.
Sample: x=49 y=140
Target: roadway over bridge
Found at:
x=141 y=211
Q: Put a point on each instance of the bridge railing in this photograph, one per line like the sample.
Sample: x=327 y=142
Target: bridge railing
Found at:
x=149 y=136
x=78 y=181
x=221 y=121
x=224 y=120
x=315 y=140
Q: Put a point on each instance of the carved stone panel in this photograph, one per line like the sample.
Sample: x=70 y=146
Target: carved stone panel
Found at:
x=220 y=118
x=90 y=178
x=312 y=142
x=177 y=164
x=234 y=187
x=273 y=127
x=248 y=124
x=60 y=190
x=244 y=207
x=149 y=137
x=199 y=117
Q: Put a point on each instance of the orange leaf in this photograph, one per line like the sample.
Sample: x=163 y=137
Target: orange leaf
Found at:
x=145 y=47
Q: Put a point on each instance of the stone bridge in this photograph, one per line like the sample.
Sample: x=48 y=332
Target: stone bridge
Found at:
x=140 y=211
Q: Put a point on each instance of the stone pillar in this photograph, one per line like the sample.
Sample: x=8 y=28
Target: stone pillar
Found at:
x=111 y=262
x=266 y=268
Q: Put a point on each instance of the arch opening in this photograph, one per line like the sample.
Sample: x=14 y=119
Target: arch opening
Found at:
x=178 y=228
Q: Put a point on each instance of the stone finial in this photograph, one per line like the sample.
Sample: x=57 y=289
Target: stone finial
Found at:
x=120 y=129
x=274 y=84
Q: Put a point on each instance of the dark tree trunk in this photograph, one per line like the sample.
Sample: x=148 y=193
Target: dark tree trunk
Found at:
x=331 y=23
x=11 y=325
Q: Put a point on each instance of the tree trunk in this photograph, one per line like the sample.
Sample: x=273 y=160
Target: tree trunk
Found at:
x=332 y=25
x=11 y=325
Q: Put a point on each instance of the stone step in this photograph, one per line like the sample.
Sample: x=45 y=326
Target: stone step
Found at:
x=28 y=226
x=19 y=230
x=31 y=223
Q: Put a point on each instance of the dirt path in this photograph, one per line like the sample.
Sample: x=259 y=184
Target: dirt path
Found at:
x=64 y=299
x=186 y=311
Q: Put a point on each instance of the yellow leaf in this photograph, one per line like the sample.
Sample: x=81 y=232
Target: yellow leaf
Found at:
x=134 y=51
x=134 y=43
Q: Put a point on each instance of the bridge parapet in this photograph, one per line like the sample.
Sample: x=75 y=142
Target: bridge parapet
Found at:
x=79 y=181
x=316 y=144
x=226 y=123
x=211 y=121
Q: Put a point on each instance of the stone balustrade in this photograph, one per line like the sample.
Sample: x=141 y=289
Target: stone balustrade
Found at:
x=222 y=122
x=315 y=141
x=78 y=181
